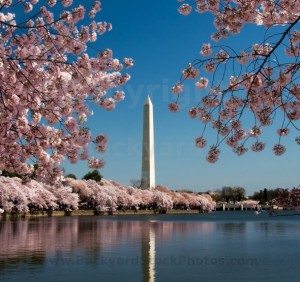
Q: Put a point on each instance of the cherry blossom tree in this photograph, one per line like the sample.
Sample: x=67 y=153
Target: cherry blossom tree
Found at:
x=134 y=197
x=258 y=84
x=48 y=81
x=38 y=197
x=12 y=196
x=66 y=200
x=162 y=200
x=80 y=187
x=147 y=198
x=289 y=199
x=179 y=201
x=207 y=204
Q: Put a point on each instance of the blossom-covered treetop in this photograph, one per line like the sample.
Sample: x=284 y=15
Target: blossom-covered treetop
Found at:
x=257 y=85
x=47 y=81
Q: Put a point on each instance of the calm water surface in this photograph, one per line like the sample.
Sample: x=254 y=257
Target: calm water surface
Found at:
x=221 y=246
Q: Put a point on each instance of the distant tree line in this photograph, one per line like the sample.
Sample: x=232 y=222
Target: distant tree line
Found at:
x=93 y=175
x=229 y=194
x=266 y=196
x=237 y=194
x=278 y=196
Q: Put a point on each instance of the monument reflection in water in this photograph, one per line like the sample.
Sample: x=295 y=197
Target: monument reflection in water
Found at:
x=148 y=256
x=150 y=248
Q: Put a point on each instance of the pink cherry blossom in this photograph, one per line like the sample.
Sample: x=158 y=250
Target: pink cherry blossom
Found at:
x=190 y=72
x=108 y=104
x=240 y=150
x=242 y=58
x=206 y=50
x=193 y=112
x=28 y=7
x=119 y=96
x=255 y=131
x=232 y=142
x=128 y=62
x=185 y=9
x=200 y=142
x=177 y=88
x=283 y=131
x=173 y=107
x=222 y=56
x=210 y=66
x=96 y=163
x=202 y=83
x=235 y=124
x=101 y=143
x=279 y=149
x=258 y=146
x=213 y=154
x=66 y=3
x=240 y=134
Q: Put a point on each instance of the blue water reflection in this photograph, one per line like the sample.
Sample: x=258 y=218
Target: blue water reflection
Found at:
x=221 y=246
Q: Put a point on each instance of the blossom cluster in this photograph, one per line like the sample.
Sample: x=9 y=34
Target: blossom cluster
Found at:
x=109 y=196
x=16 y=196
x=48 y=81
x=89 y=194
x=231 y=16
x=260 y=83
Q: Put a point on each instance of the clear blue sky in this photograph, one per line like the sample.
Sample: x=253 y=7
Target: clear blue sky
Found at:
x=162 y=43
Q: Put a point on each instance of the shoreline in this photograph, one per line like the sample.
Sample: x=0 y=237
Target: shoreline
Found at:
x=36 y=214
x=75 y=213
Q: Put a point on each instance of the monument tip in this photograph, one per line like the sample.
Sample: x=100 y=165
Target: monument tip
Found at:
x=148 y=100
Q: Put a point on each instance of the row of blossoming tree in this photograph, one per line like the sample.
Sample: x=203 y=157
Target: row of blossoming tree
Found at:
x=48 y=82
x=16 y=195
x=257 y=85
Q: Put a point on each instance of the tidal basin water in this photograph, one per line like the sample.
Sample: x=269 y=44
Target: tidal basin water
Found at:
x=220 y=246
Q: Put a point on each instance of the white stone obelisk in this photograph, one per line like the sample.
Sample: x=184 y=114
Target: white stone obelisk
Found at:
x=148 y=164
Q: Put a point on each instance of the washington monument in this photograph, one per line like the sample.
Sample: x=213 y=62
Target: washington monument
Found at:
x=148 y=164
